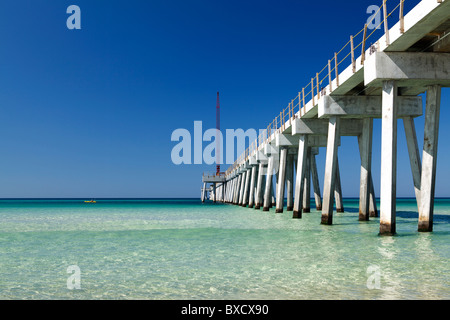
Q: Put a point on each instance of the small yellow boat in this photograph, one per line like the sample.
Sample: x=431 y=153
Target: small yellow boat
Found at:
x=90 y=201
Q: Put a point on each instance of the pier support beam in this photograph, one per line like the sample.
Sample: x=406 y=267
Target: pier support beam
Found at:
x=430 y=144
x=246 y=187
x=307 y=183
x=281 y=180
x=214 y=192
x=365 y=150
x=204 y=192
x=330 y=170
x=300 y=177
x=237 y=189
x=251 y=200
x=233 y=191
x=373 y=212
x=241 y=191
x=414 y=155
x=290 y=182
x=268 y=190
x=338 y=190
x=224 y=192
x=388 y=158
x=273 y=192
x=315 y=180
x=259 y=186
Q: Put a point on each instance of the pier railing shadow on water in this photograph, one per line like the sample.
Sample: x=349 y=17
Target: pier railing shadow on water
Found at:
x=439 y=218
x=403 y=214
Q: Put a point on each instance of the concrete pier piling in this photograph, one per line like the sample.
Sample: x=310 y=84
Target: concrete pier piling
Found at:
x=389 y=159
x=274 y=189
x=338 y=190
x=307 y=182
x=260 y=186
x=241 y=191
x=281 y=180
x=204 y=192
x=290 y=182
x=330 y=170
x=246 y=188
x=251 y=200
x=237 y=191
x=365 y=149
x=300 y=178
x=268 y=189
x=315 y=180
x=429 y=156
x=373 y=211
x=414 y=155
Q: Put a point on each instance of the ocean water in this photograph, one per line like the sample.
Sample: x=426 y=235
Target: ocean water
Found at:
x=183 y=249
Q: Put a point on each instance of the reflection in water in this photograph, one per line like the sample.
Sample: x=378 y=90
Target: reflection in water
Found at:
x=390 y=281
x=387 y=248
x=423 y=246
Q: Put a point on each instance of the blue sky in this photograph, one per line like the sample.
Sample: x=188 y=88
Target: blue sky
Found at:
x=90 y=112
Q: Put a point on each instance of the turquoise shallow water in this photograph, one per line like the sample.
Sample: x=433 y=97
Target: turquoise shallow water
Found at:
x=183 y=249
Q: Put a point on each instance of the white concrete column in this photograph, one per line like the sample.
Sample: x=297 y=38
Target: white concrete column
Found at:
x=268 y=190
x=300 y=176
x=307 y=183
x=241 y=191
x=227 y=186
x=233 y=190
x=235 y=185
x=365 y=150
x=338 y=190
x=259 y=186
x=203 y=191
x=246 y=188
x=238 y=188
x=388 y=159
x=414 y=155
x=373 y=200
x=290 y=182
x=330 y=170
x=225 y=190
x=281 y=180
x=251 y=200
x=316 y=185
x=274 y=189
x=264 y=187
x=429 y=156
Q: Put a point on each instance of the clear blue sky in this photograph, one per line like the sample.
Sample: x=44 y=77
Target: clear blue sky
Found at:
x=90 y=112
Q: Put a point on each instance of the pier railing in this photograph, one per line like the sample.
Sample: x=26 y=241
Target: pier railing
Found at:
x=327 y=79
x=213 y=174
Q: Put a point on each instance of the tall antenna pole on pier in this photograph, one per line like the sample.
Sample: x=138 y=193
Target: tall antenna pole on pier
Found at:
x=217 y=135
